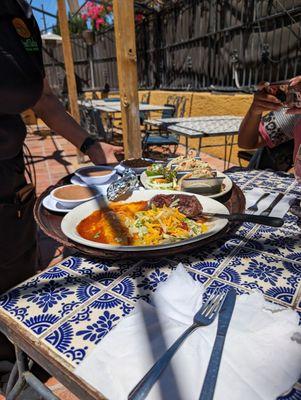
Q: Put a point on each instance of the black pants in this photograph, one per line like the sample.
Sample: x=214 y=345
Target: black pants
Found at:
x=17 y=232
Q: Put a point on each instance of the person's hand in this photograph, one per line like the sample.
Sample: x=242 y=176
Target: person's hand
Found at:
x=296 y=84
x=294 y=111
x=103 y=153
x=264 y=100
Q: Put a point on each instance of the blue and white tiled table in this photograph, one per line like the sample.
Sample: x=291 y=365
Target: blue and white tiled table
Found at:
x=62 y=313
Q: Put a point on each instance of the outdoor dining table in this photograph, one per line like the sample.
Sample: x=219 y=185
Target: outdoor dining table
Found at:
x=115 y=107
x=110 y=108
x=59 y=316
x=200 y=127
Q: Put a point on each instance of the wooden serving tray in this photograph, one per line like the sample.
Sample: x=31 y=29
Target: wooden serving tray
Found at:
x=50 y=223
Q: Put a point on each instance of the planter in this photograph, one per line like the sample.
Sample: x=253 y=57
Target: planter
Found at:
x=89 y=37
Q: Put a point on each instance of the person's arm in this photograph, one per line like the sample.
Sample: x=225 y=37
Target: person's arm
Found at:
x=52 y=112
x=249 y=136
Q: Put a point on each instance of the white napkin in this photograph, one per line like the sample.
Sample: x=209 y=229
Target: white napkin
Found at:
x=279 y=210
x=260 y=360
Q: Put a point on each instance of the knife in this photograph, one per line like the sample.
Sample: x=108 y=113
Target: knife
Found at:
x=268 y=210
x=224 y=319
x=255 y=219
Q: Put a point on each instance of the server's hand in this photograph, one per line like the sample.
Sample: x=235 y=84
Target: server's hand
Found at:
x=103 y=153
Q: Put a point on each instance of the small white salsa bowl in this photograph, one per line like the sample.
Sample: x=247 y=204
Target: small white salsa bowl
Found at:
x=70 y=196
x=95 y=175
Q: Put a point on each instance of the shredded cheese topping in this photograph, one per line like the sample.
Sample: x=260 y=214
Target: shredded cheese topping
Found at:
x=162 y=225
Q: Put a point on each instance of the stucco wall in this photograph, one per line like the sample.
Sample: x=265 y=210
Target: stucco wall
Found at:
x=200 y=103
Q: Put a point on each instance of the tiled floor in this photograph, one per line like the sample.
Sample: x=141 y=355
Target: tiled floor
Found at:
x=59 y=390
x=54 y=158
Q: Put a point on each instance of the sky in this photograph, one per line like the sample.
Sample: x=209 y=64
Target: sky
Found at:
x=50 y=6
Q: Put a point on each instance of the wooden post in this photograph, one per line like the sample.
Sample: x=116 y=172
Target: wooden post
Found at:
x=69 y=66
x=73 y=5
x=124 y=24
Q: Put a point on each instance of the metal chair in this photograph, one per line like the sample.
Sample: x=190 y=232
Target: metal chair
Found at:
x=161 y=136
x=181 y=107
x=92 y=123
x=143 y=115
x=279 y=158
x=30 y=170
x=97 y=124
x=244 y=155
x=111 y=99
x=145 y=98
x=160 y=140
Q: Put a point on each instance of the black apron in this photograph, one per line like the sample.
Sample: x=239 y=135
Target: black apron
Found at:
x=21 y=83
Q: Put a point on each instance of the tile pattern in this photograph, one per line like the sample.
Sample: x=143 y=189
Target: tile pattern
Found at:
x=71 y=306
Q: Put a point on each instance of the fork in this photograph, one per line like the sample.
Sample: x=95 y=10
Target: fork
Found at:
x=268 y=210
x=204 y=317
x=254 y=207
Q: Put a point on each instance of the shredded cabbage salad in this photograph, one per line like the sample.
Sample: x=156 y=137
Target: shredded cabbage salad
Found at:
x=161 y=226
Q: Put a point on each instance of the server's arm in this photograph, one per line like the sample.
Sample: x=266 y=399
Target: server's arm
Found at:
x=52 y=112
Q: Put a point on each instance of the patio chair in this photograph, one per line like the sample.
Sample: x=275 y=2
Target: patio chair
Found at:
x=143 y=115
x=161 y=140
x=111 y=99
x=181 y=107
x=172 y=100
x=161 y=136
x=145 y=98
x=245 y=155
x=30 y=170
x=279 y=158
x=91 y=121
x=97 y=124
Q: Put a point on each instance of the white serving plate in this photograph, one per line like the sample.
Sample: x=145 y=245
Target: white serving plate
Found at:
x=73 y=218
x=227 y=184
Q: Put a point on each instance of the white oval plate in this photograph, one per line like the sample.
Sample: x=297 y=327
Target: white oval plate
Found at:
x=227 y=183
x=71 y=220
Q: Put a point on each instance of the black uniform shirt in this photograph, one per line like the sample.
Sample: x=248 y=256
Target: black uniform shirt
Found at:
x=21 y=72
